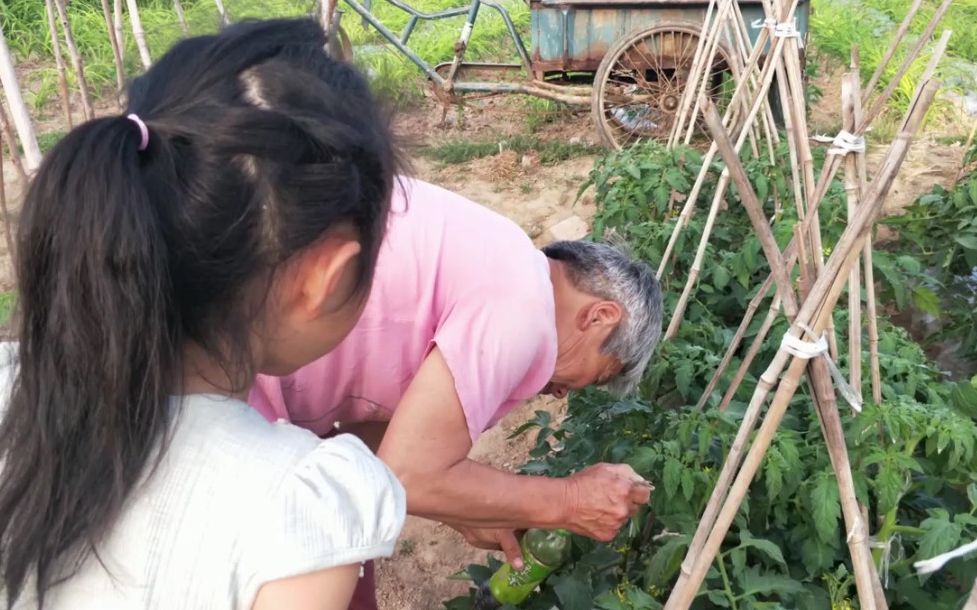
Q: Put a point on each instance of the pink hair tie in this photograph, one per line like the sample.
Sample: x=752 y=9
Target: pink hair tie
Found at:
x=143 y=131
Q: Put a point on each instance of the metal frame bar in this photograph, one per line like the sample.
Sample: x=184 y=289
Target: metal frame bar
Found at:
x=400 y=42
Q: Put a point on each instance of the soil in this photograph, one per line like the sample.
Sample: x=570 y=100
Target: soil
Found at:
x=537 y=197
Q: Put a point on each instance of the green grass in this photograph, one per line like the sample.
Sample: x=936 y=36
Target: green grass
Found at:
x=400 y=81
x=549 y=151
x=8 y=303
x=25 y=26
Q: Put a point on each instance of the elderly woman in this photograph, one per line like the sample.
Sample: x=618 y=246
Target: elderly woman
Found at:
x=466 y=320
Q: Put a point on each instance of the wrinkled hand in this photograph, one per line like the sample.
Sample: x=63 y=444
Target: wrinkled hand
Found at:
x=601 y=498
x=494 y=539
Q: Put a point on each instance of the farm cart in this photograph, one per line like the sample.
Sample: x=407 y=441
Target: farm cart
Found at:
x=628 y=60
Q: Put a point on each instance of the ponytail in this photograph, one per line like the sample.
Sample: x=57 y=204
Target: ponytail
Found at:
x=97 y=334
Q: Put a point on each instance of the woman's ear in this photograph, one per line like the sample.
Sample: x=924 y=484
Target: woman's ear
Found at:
x=604 y=313
x=326 y=277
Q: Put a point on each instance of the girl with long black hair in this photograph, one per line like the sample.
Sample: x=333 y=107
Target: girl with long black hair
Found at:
x=226 y=224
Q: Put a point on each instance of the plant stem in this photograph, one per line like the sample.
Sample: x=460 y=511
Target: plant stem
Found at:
x=726 y=587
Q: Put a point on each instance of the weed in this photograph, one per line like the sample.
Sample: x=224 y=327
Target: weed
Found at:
x=549 y=151
x=8 y=303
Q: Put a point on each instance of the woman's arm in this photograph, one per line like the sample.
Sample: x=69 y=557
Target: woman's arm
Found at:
x=330 y=589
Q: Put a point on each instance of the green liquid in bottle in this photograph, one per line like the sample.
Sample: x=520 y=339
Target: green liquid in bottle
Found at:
x=543 y=552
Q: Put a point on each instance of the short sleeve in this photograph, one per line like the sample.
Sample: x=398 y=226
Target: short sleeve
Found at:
x=339 y=506
x=498 y=351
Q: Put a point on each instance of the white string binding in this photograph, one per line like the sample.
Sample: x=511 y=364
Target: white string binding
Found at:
x=787 y=29
x=844 y=143
x=928 y=566
x=795 y=346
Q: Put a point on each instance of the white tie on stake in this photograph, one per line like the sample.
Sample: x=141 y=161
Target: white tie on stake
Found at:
x=928 y=566
x=787 y=29
x=795 y=346
x=843 y=143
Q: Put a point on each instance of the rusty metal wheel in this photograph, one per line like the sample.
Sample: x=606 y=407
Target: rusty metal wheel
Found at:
x=638 y=86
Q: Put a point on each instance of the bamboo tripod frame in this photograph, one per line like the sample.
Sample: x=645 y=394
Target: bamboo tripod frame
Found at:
x=810 y=310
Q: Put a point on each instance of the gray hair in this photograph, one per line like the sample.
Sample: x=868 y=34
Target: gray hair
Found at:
x=610 y=272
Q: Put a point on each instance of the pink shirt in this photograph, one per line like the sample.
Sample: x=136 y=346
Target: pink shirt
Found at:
x=451 y=273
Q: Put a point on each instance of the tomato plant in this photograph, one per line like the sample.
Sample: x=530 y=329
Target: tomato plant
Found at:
x=913 y=456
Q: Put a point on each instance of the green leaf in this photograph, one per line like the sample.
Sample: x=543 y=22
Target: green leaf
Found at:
x=688 y=484
x=642 y=459
x=826 y=507
x=573 y=591
x=967 y=241
x=608 y=601
x=766 y=547
x=816 y=555
x=720 y=277
x=541 y=420
x=755 y=582
x=889 y=484
x=941 y=534
x=672 y=476
x=926 y=301
x=772 y=474
x=683 y=378
x=718 y=598
x=664 y=564
x=640 y=600
x=972 y=494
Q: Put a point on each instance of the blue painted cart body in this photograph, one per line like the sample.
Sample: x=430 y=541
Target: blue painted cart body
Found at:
x=574 y=35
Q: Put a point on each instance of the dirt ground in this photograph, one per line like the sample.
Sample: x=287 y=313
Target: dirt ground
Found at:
x=538 y=198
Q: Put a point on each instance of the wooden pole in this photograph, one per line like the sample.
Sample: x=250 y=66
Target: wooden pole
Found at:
x=120 y=71
x=18 y=109
x=8 y=132
x=139 y=33
x=768 y=70
x=893 y=45
x=59 y=63
x=814 y=313
x=686 y=99
x=734 y=345
x=850 y=90
x=181 y=17
x=119 y=31
x=8 y=232
x=225 y=19
x=76 y=61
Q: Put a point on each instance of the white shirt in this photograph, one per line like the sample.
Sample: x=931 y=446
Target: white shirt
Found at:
x=234 y=503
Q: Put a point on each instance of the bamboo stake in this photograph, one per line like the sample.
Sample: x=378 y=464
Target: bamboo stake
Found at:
x=746 y=50
x=119 y=30
x=710 y=58
x=689 y=207
x=768 y=71
x=819 y=374
x=849 y=95
x=8 y=232
x=139 y=33
x=686 y=99
x=181 y=17
x=734 y=345
x=21 y=118
x=120 y=71
x=222 y=12
x=59 y=63
x=826 y=289
x=8 y=132
x=76 y=61
x=893 y=45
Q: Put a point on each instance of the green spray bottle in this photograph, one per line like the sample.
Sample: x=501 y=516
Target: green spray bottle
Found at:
x=543 y=551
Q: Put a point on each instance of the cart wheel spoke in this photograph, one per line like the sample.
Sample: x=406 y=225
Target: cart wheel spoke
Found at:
x=639 y=86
